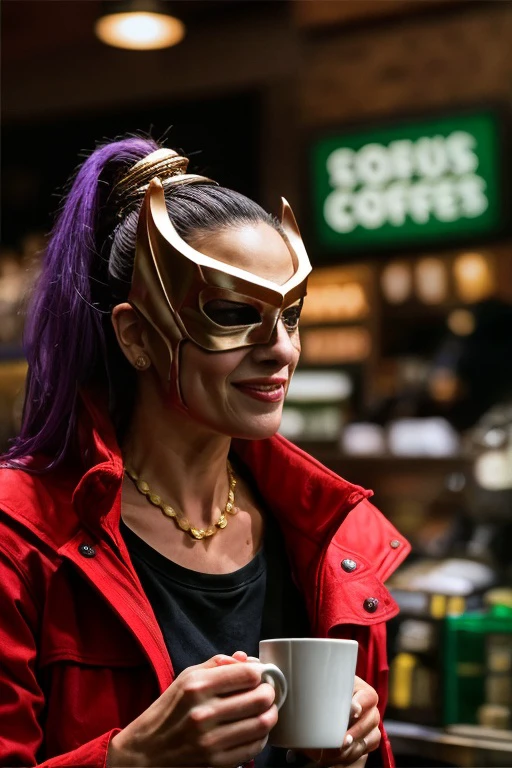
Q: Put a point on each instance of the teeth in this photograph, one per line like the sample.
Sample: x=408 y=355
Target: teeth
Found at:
x=266 y=388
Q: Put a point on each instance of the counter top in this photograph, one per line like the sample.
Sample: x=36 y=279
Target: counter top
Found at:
x=465 y=746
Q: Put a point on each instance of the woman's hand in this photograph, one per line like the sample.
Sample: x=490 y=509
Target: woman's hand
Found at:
x=363 y=735
x=214 y=714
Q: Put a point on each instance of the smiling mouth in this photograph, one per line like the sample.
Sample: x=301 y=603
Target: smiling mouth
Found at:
x=263 y=387
x=270 y=393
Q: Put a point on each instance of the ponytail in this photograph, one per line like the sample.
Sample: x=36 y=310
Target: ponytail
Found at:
x=64 y=335
x=69 y=339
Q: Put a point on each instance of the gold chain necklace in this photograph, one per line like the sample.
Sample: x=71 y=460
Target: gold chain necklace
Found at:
x=181 y=521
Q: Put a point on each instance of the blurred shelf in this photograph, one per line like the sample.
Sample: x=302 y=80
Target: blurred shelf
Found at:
x=335 y=459
x=472 y=747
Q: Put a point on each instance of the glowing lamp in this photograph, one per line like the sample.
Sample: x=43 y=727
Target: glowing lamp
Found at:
x=139 y=25
x=474 y=278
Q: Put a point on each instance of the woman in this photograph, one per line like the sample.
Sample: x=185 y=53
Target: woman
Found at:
x=153 y=526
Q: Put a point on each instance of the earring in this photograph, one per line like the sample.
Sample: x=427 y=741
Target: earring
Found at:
x=141 y=363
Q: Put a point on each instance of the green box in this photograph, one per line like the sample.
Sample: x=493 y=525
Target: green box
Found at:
x=465 y=660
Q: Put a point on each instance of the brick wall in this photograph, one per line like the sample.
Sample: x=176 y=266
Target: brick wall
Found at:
x=408 y=64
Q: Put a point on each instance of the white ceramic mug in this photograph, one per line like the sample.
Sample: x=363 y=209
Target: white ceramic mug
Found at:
x=319 y=677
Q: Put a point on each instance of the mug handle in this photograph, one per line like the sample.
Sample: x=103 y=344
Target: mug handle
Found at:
x=273 y=675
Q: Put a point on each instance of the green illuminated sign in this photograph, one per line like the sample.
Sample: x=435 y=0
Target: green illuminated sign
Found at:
x=415 y=182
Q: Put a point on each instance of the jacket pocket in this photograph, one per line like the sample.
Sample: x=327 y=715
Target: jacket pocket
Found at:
x=94 y=674
x=79 y=625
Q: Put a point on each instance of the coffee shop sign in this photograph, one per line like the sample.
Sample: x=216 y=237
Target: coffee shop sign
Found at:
x=424 y=183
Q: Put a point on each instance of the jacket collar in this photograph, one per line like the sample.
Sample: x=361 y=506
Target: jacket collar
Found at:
x=306 y=497
x=97 y=491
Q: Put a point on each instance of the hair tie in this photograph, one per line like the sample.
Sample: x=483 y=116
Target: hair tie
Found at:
x=164 y=164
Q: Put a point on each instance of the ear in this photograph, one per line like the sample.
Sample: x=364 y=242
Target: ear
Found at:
x=130 y=333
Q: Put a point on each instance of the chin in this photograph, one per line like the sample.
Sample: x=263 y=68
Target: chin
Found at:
x=256 y=431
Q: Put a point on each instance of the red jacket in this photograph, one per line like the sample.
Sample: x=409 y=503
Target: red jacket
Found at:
x=81 y=653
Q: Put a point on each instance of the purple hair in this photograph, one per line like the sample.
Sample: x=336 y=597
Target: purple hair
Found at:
x=63 y=333
x=69 y=339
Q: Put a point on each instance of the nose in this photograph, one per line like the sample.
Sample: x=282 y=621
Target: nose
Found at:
x=279 y=350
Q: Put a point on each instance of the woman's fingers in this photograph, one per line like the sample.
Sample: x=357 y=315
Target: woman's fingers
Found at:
x=363 y=737
x=353 y=756
x=198 y=683
x=364 y=697
x=227 y=709
x=219 y=660
x=202 y=684
x=362 y=727
x=360 y=746
x=227 y=736
x=238 y=756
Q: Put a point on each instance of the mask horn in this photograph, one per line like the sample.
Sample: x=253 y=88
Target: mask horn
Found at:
x=292 y=232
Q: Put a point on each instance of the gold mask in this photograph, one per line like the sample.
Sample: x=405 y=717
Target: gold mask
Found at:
x=173 y=284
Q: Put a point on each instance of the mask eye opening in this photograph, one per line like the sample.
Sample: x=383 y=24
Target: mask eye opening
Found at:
x=291 y=316
x=231 y=314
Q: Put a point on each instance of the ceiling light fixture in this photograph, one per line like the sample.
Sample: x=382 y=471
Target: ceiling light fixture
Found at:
x=138 y=25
